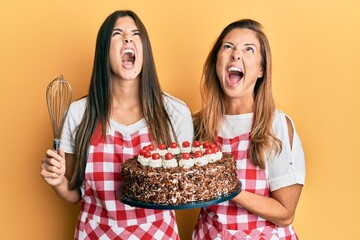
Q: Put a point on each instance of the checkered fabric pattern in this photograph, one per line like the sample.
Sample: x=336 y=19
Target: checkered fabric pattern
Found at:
x=229 y=221
x=102 y=216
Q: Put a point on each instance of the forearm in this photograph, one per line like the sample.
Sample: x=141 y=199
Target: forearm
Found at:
x=265 y=207
x=65 y=193
x=278 y=208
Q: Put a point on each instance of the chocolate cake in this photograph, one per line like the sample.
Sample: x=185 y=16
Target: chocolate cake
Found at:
x=176 y=175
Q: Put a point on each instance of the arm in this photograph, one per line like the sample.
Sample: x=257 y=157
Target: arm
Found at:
x=56 y=171
x=280 y=207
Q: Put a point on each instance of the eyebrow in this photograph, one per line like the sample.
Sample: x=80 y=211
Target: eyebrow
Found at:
x=250 y=44
x=120 y=30
x=229 y=43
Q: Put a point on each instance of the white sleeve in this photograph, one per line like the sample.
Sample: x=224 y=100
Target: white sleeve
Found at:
x=71 y=123
x=180 y=117
x=287 y=168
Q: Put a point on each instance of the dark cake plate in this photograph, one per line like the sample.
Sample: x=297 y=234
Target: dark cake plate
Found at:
x=198 y=204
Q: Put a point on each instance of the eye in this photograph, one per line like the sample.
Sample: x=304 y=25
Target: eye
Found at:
x=116 y=33
x=249 y=49
x=136 y=33
x=227 y=46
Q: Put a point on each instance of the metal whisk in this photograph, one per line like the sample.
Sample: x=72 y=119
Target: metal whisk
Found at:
x=58 y=99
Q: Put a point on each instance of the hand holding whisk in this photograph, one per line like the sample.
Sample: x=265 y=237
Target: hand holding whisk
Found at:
x=58 y=99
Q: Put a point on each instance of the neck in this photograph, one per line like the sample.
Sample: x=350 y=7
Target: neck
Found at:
x=239 y=106
x=126 y=105
x=125 y=91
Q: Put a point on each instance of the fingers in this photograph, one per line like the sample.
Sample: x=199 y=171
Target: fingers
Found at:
x=52 y=154
x=61 y=153
x=52 y=167
x=52 y=164
x=48 y=174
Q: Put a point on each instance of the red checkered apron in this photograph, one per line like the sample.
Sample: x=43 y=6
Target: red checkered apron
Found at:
x=102 y=216
x=228 y=220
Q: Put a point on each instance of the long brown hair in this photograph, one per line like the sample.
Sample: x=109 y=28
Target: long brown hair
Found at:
x=99 y=103
x=208 y=120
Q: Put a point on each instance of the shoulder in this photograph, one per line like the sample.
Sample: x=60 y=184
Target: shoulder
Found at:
x=283 y=127
x=169 y=99
x=282 y=120
x=79 y=104
x=77 y=109
x=279 y=116
x=174 y=104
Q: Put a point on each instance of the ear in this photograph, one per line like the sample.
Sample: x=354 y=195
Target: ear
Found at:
x=261 y=73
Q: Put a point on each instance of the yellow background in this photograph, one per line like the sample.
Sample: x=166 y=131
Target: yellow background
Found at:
x=316 y=80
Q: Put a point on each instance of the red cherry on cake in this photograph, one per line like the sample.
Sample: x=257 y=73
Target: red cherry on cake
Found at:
x=173 y=145
x=151 y=147
x=155 y=156
x=169 y=156
x=212 y=145
x=147 y=154
x=208 y=151
x=186 y=156
x=215 y=149
x=198 y=154
x=142 y=151
x=196 y=144
x=186 y=144
x=162 y=146
x=205 y=145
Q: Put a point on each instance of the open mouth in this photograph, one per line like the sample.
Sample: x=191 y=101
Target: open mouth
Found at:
x=235 y=75
x=128 y=58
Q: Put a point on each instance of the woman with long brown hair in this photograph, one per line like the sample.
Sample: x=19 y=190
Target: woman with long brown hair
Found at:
x=239 y=114
x=124 y=111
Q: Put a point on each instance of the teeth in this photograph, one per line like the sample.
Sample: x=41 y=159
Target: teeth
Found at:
x=128 y=50
x=233 y=69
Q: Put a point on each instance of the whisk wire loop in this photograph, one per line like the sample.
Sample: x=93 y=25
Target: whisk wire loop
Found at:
x=58 y=99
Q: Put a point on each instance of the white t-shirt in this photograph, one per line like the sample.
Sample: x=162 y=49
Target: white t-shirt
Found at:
x=282 y=170
x=179 y=113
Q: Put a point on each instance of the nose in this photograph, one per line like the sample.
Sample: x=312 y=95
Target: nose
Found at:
x=235 y=55
x=127 y=39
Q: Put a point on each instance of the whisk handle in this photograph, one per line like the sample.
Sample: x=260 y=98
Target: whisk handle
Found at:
x=56 y=145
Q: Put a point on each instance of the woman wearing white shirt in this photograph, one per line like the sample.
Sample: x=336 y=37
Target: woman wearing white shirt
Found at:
x=238 y=113
x=124 y=111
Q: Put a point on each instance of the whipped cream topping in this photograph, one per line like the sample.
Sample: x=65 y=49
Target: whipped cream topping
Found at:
x=186 y=163
x=196 y=146
x=203 y=154
x=185 y=149
x=169 y=163
x=194 y=149
x=155 y=163
x=162 y=152
x=143 y=160
x=174 y=150
x=201 y=161
x=211 y=157
x=218 y=155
